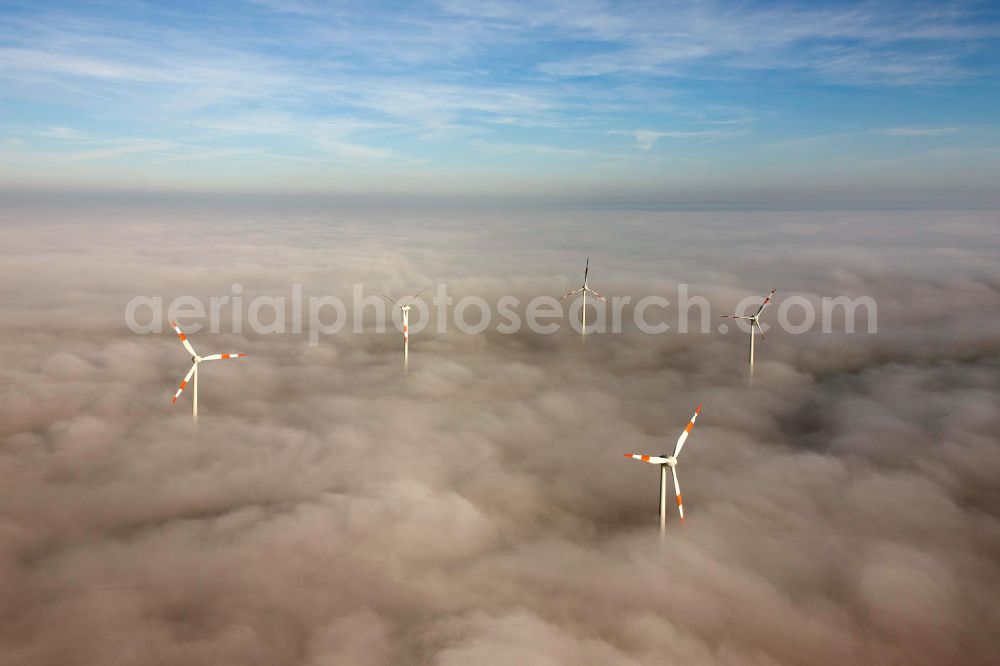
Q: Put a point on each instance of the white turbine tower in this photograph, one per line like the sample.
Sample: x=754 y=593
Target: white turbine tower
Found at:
x=584 y=289
x=405 y=309
x=192 y=375
x=754 y=320
x=664 y=462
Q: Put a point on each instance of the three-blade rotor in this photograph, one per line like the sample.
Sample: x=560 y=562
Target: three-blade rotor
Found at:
x=195 y=360
x=399 y=302
x=671 y=460
x=584 y=288
x=754 y=319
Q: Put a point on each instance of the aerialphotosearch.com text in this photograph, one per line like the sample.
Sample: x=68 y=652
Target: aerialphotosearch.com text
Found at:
x=317 y=316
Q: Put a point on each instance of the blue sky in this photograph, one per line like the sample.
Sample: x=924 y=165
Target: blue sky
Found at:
x=877 y=102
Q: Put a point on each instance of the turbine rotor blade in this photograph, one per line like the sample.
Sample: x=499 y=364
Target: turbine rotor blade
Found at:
x=767 y=299
x=392 y=301
x=218 y=357
x=597 y=294
x=184 y=383
x=570 y=293
x=677 y=491
x=684 y=435
x=184 y=340
x=760 y=330
x=417 y=295
x=653 y=460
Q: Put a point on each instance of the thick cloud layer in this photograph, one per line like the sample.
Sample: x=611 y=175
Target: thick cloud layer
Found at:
x=328 y=509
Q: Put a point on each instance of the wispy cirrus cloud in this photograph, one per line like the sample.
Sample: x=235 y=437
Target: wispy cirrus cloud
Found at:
x=493 y=148
x=62 y=133
x=359 y=84
x=869 y=43
x=920 y=131
x=646 y=139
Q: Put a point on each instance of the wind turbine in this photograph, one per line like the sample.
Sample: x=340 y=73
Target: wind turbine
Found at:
x=405 y=309
x=664 y=462
x=754 y=320
x=584 y=289
x=192 y=375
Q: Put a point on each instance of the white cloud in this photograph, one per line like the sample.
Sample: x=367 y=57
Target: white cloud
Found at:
x=496 y=148
x=920 y=131
x=60 y=133
x=646 y=139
